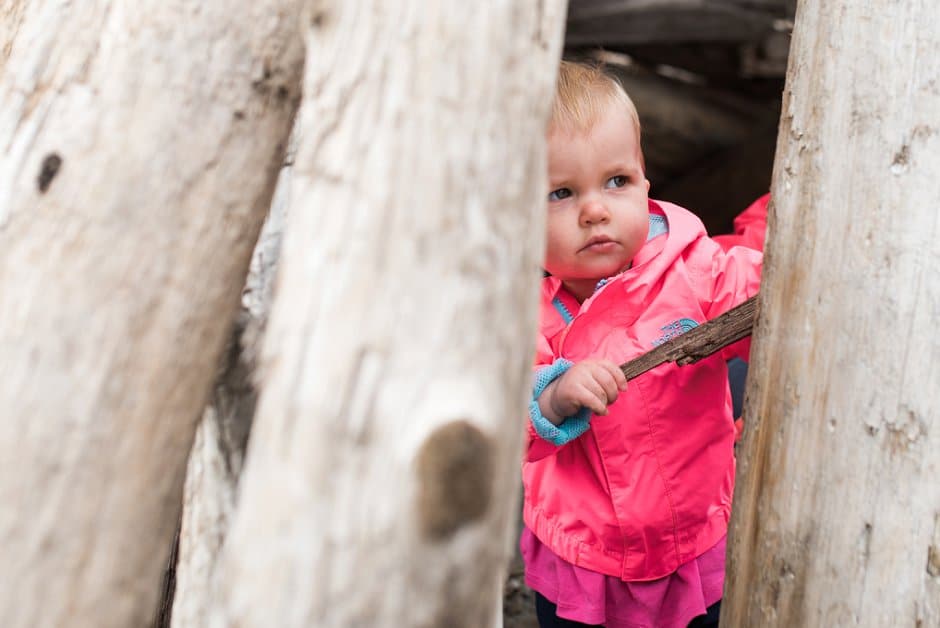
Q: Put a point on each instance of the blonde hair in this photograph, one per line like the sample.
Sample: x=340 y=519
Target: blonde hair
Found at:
x=582 y=94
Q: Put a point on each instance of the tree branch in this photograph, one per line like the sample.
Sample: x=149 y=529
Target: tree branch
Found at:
x=700 y=342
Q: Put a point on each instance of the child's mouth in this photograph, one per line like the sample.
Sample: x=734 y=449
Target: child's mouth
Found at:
x=599 y=244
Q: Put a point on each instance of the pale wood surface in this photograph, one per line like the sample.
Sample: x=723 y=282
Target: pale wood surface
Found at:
x=836 y=511
x=218 y=454
x=120 y=271
x=383 y=464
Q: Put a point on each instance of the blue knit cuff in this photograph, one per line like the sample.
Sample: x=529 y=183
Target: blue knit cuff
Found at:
x=547 y=374
x=573 y=426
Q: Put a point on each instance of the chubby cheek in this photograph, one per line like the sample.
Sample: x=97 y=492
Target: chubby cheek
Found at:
x=639 y=232
x=557 y=242
x=551 y=256
x=636 y=224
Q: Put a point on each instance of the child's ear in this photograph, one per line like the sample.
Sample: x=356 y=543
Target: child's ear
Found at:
x=647 y=185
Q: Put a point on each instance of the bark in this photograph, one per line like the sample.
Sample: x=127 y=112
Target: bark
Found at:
x=141 y=144
x=837 y=509
x=382 y=469
x=696 y=344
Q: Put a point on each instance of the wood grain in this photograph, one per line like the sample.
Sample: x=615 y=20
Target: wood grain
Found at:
x=141 y=146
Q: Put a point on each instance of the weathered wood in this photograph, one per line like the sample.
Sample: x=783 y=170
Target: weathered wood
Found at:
x=168 y=586
x=631 y=22
x=218 y=453
x=141 y=142
x=698 y=343
x=836 y=508
x=382 y=469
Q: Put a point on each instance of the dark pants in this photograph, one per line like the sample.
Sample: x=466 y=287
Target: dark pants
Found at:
x=545 y=611
x=737 y=378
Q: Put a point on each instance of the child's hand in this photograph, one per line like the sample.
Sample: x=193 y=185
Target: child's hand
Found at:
x=592 y=384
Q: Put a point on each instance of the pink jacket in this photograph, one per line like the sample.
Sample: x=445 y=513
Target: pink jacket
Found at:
x=750 y=227
x=648 y=487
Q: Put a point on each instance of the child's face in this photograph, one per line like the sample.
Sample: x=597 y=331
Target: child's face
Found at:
x=597 y=206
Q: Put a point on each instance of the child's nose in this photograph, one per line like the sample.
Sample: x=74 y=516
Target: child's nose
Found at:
x=593 y=212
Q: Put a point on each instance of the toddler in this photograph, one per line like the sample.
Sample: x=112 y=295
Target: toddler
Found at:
x=627 y=488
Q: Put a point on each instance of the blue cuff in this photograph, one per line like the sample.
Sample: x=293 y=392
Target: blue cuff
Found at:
x=573 y=426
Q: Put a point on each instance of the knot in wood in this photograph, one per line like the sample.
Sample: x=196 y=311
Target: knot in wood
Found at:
x=47 y=171
x=455 y=469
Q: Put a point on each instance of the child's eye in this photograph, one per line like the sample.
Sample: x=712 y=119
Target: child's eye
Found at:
x=559 y=195
x=617 y=182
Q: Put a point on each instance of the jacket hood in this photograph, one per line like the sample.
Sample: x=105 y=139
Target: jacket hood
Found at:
x=665 y=244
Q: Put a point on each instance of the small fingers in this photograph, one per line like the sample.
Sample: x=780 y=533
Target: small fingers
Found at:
x=609 y=376
x=608 y=383
x=593 y=384
x=619 y=378
x=593 y=397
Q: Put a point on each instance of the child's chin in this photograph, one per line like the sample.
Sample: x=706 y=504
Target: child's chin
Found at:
x=614 y=268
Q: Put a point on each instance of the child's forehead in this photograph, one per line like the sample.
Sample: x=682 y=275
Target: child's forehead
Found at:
x=583 y=121
x=610 y=142
x=614 y=126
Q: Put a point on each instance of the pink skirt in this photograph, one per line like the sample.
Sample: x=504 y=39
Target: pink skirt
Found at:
x=590 y=597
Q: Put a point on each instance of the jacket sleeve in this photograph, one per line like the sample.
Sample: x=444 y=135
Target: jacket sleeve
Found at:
x=727 y=279
x=537 y=447
x=750 y=227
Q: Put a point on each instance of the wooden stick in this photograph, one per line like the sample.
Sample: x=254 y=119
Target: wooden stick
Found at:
x=699 y=342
